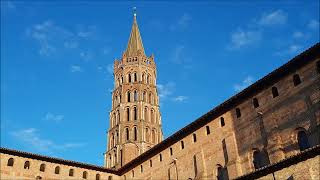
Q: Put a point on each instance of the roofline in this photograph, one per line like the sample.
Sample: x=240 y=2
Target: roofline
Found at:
x=55 y=160
x=302 y=156
x=295 y=63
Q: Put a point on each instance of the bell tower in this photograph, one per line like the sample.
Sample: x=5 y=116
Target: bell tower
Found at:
x=135 y=119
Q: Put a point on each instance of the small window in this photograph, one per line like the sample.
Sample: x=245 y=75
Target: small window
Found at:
x=255 y=102
x=71 y=172
x=26 y=165
x=182 y=144
x=128 y=114
x=150 y=161
x=57 y=170
x=128 y=96
x=238 y=112
x=208 y=130
x=129 y=78
x=194 y=137
x=296 y=80
x=42 y=167
x=275 y=92
x=222 y=122
x=97 y=176
x=141 y=168
x=318 y=67
x=135 y=133
x=160 y=157
x=132 y=173
x=127 y=134
x=171 y=152
x=84 y=175
x=303 y=141
x=10 y=162
x=109 y=177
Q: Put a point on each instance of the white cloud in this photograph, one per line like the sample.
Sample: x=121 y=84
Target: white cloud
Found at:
x=182 y=23
x=245 y=83
x=31 y=137
x=243 y=38
x=53 y=117
x=292 y=49
x=178 y=52
x=165 y=90
x=87 y=31
x=314 y=24
x=108 y=69
x=277 y=17
x=180 y=98
x=298 y=35
x=76 y=68
x=86 y=55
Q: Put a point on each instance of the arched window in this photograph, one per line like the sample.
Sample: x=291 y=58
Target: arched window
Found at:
x=222 y=122
x=150 y=162
x=84 y=175
x=150 y=97
x=146 y=114
x=112 y=142
x=194 y=137
x=127 y=134
x=148 y=79
x=97 y=176
x=135 y=96
x=182 y=144
x=238 y=112
x=147 y=135
x=118 y=116
x=135 y=114
x=10 y=162
x=195 y=167
x=318 y=66
x=135 y=133
x=257 y=159
x=303 y=141
x=208 y=130
x=135 y=77
x=141 y=168
x=296 y=80
x=152 y=115
x=160 y=157
x=109 y=177
x=275 y=92
x=255 y=102
x=222 y=173
x=71 y=172
x=128 y=114
x=42 y=167
x=121 y=79
x=57 y=170
x=153 y=136
x=128 y=96
x=129 y=78
x=117 y=136
x=26 y=165
x=144 y=97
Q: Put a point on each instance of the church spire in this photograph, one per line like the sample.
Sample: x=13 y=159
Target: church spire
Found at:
x=135 y=42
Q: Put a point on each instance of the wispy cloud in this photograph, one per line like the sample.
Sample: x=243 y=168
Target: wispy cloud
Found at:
x=182 y=23
x=298 y=35
x=180 y=98
x=245 y=83
x=107 y=69
x=290 y=50
x=31 y=137
x=76 y=68
x=241 y=38
x=166 y=89
x=314 y=24
x=53 y=117
x=86 y=55
x=277 y=17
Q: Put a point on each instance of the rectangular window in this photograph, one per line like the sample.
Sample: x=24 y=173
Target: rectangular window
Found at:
x=150 y=163
x=160 y=157
x=222 y=121
x=208 y=129
x=238 y=112
x=171 y=152
x=194 y=138
x=182 y=145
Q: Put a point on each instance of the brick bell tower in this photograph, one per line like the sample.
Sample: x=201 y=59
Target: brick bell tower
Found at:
x=135 y=119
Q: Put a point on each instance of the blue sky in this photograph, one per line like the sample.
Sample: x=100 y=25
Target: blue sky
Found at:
x=56 y=63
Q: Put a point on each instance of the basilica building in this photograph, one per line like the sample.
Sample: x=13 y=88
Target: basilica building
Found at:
x=270 y=130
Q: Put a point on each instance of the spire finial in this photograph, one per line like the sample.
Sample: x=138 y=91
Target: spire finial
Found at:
x=134 y=11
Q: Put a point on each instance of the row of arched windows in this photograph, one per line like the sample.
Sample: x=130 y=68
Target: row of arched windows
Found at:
x=134 y=97
x=274 y=90
x=42 y=168
x=149 y=115
x=145 y=78
x=149 y=136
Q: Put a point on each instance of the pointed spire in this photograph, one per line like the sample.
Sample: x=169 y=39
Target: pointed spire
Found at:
x=135 y=42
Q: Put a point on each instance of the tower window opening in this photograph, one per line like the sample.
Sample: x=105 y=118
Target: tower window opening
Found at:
x=257 y=159
x=171 y=151
x=296 y=80
x=10 y=162
x=208 y=130
x=135 y=113
x=71 y=172
x=42 y=167
x=135 y=133
x=127 y=134
x=129 y=78
x=255 y=102
x=135 y=77
x=275 y=92
x=153 y=136
x=222 y=123
x=303 y=141
x=26 y=165
x=84 y=175
x=135 y=96
x=182 y=145
x=128 y=114
x=57 y=170
x=194 y=137
x=128 y=96
x=238 y=112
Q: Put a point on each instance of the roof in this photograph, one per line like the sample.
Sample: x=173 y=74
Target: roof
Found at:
x=135 y=42
x=295 y=159
x=300 y=60
x=55 y=160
